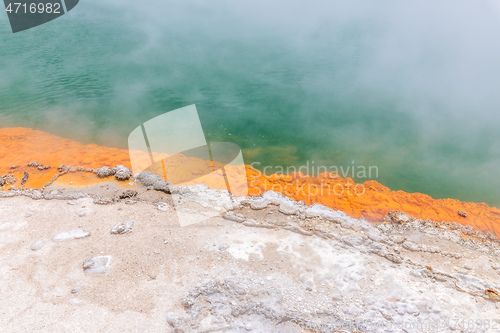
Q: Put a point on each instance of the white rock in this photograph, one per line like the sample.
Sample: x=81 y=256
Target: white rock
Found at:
x=288 y=209
x=19 y=226
x=38 y=244
x=410 y=246
x=234 y=218
x=5 y=226
x=70 y=235
x=97 y=265
x=259 y=204
x=122 y=227
x=164 y=207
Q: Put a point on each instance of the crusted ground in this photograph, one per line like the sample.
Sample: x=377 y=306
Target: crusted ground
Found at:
x=111 y=258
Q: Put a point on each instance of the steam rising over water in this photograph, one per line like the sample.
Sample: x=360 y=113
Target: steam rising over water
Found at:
x=409 y=87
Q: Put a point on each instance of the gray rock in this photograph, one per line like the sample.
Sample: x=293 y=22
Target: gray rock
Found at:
x=28 y=214
x=61 y=168
x=104 y=172
x=164 y=207
x=70 y=235
x=234 y=218
x=103 y=201
x=10 y=178
x=122 y=228
x=393 y=257
x=128 y=194
x=76 y=301
x=140 y=177
x=223 y=247
x=162 y=185
x=259 y=204
x=410 y=246
x=431 y=249
x=5 y=226
x=38 y=244
x=148 y=179
x=308 y=281
x=399 y=217
x=378 y=237
x=228 y=207
x=288 y=209
x=295 y=229
x=121 y=172
x=397 y=239
x=101 y=264
x=76 y=290
x=34 y=164
x=171 y=320
x=354 y=241
x=36 y=195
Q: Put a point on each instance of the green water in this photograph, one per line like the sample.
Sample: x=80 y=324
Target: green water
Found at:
x=382 y=84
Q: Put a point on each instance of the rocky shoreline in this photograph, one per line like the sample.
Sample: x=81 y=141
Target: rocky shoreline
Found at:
x=31 y=159
x=112 y=257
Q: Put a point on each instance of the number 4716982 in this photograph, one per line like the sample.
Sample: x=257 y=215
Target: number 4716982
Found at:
x=18 y=7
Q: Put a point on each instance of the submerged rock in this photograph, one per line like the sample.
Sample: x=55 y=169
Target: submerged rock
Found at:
x=61 y=168
x=96 y=265
x=25 y=178
x=122 y=228
x=70 y=235
x=10 y=178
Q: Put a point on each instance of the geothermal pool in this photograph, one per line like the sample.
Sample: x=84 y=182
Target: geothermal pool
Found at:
x=329 y=84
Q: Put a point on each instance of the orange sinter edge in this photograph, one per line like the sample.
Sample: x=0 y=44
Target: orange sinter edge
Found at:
x=19 y=146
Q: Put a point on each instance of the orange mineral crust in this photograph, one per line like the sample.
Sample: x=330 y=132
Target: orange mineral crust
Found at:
x=19 y=146
x=373 y=201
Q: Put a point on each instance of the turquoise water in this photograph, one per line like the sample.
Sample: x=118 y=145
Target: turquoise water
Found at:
x=339 y=83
